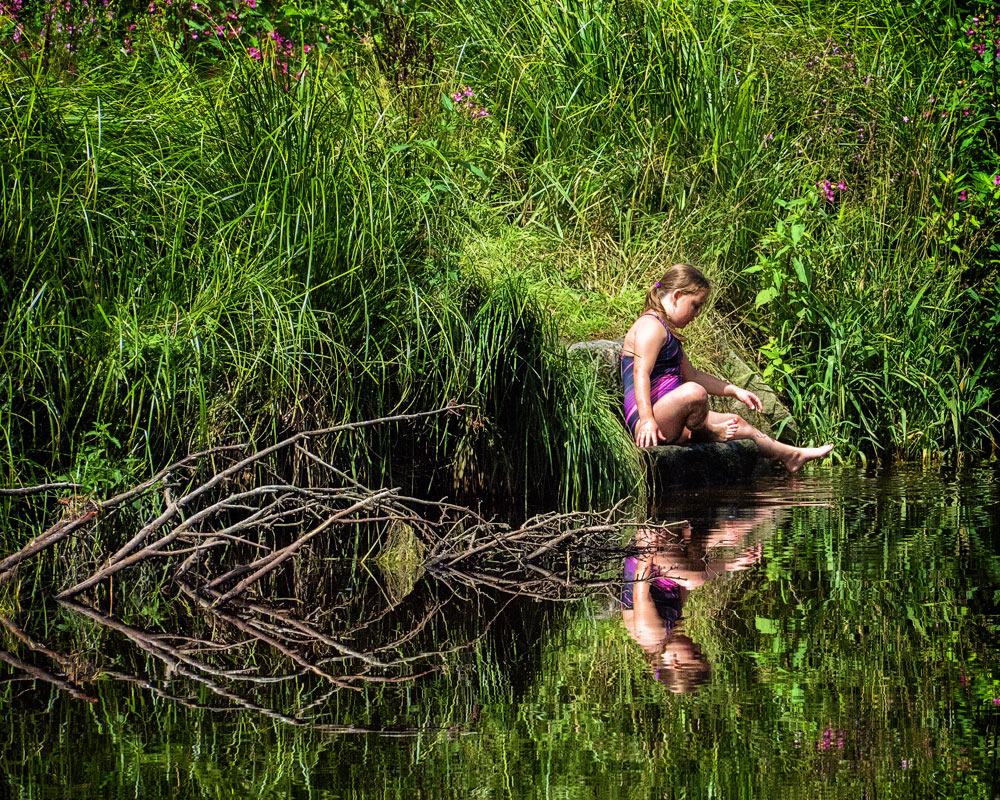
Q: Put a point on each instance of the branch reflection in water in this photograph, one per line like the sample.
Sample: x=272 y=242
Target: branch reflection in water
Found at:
x=667 y=565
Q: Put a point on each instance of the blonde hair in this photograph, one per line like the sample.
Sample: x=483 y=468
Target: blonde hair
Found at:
x=686 y=277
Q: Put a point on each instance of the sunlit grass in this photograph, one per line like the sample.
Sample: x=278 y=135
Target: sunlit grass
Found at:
x=199 y=255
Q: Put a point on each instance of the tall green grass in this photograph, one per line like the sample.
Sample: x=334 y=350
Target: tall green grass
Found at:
x=720 y=126
x=203 y=249
x=197 y=260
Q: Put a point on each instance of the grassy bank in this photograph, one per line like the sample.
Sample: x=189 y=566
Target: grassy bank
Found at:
x=197 y=259
x=232 y=221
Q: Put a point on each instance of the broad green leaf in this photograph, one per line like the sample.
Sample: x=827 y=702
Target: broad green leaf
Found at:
x=765 y=296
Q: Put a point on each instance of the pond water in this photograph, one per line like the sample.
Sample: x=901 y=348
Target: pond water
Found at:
x=830 y=635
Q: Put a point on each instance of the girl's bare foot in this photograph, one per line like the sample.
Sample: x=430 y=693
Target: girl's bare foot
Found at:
x=800 y=455
x=722 y=431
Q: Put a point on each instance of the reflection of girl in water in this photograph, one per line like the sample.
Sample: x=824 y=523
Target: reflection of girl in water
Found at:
x=658 y=579
x=651 y=608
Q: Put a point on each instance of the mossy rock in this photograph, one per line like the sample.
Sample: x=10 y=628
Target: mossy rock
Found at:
x=401 y=560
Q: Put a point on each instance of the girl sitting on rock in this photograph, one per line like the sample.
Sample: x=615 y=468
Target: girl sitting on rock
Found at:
x=666 y=399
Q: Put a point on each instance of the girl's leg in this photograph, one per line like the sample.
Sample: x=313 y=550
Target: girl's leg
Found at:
x=792 y=457
x=684 y=410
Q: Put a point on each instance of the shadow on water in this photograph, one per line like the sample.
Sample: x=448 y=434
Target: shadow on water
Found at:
x=828 y=636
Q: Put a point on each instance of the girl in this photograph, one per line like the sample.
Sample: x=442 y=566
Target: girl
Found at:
x=666 y=399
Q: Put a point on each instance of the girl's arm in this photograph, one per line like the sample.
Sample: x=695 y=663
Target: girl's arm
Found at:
x=718 y=387
x=712 y=385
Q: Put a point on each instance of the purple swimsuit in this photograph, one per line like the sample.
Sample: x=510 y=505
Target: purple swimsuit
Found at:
x=664 y=592
x=663 y=378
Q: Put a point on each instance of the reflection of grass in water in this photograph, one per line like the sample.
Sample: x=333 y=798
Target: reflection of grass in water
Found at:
x=835 y=662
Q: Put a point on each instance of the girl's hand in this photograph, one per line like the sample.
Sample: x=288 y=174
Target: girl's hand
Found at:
x=748 y=399
x=647 y=433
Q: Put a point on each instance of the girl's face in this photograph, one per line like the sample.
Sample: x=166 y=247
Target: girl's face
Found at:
x=683 y=308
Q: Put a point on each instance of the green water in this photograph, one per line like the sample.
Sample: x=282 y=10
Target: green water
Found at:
x=836 y=638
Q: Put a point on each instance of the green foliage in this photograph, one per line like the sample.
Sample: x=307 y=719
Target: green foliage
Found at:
x=230 y=236
x=252 y=260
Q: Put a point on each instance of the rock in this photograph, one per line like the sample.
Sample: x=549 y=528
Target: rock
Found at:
x=705 y=463
x=775 y=420
x=608 y=355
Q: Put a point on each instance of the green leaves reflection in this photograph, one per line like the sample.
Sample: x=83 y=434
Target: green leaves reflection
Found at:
x=857 y=659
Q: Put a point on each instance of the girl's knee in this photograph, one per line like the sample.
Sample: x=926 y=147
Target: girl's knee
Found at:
x=695 y=393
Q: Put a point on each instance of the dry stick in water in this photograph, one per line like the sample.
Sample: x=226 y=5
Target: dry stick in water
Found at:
x=110 y=569
x=272 y=561
x=174 y=662
x=44 y=675
x=174 y=508
x=299 y=625
x=23 y=491
x=156 y=646
x=56 y=533
x=65 y=527
x=247 y=627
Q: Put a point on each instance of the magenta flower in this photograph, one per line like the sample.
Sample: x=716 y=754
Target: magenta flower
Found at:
x=996 y=180
x=254 y=53
x=962 y=195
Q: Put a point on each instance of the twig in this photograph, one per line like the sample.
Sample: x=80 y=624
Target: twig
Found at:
x=22 y=491
x=44 y=675
x=43 y=541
